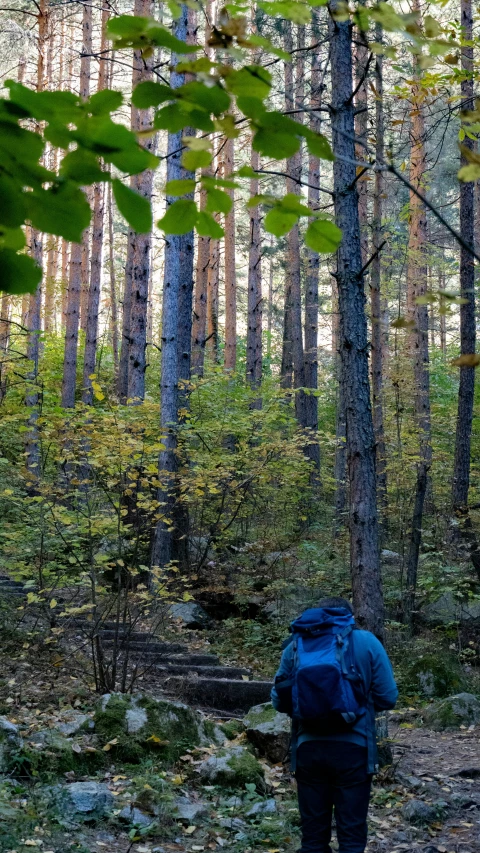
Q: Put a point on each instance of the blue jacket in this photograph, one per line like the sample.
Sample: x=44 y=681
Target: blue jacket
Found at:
x=375 y=670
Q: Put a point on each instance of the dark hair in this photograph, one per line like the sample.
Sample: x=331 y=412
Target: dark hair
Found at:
x=335 y=601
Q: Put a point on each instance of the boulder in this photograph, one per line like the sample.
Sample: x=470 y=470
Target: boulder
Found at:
x=189 y=811
x=234 y=768
x=140 y=725
x=191 y=614
x=135 y=817
x=448 y=608
x=419 y=813
x=453 y=712
x=269 y=731
x=83 y=802
x=434 y=675
x=390 y=558
x=10 y=744
x=73 y=723
x=262 y=808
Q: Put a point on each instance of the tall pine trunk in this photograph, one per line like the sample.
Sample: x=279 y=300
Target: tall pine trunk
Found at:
x=417 y=283
x=466 y=390
x=178 y=275
x=230 y=272
x=364 y=548
x=113 y=283
x=375 y=293
x=254 y=285
x=77 y=257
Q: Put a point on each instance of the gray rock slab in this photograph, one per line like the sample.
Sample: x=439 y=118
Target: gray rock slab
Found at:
x=262 y=808
x=269 y=731
x=135 y=817
x=188 y=810
x=191 y=614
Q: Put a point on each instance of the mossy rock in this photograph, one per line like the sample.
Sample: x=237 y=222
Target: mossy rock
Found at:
x=140 y=725
x=460 y=710
x=233 y=768
x=48 y=754
x=232 y=728
x=433 y=676
x=269 y=731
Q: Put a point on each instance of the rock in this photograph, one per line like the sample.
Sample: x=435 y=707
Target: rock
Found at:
x=462 y=709
x=231 y=822
x=262 y=808
x=201 y=549
x=434 y=676
x=191 y=614
x=269 y=731
x=142 y=724
x=448 y=609
x=74 y=723
x=468 y=772
x=10 y=744
x=400 y=837
x=83 y=801
x=135 y=817
x=390 y=558
x=186 y=810
x=233 y=767
x=419 y=813
x=233 y=802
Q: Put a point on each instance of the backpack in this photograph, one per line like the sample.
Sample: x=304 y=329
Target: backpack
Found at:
x=325 y=687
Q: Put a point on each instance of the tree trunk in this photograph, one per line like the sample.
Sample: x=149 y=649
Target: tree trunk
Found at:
x=143 y=184
x=212 y=340
x=418 y=338
x=113 y=285
x=340 y=465
x=199 y=325
x=364 y=549
x=34 y=318
x=254 y=286
x=466 y=390
x=375 y=295
x=49 y=307
x=126 y=305
x=312 y=449
x=77 y=256
x=90 y=356
x=178 y=274
x=230 y=273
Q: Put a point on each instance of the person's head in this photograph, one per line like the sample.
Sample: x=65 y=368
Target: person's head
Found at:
x=335 y=601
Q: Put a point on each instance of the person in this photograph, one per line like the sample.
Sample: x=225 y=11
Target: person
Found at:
x=334 y=758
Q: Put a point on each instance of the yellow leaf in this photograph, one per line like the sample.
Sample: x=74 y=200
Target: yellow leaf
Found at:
x=189 y=830
x=158 y=740
x=53 y=603
x=178 y=780
x=467 y=360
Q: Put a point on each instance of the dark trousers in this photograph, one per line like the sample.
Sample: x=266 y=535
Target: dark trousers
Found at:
x=332 y=775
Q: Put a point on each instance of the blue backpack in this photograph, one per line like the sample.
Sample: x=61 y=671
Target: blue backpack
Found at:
x=325 y=687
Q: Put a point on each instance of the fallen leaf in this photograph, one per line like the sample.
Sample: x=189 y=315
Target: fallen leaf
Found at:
x=467 y=360
x=189 y=830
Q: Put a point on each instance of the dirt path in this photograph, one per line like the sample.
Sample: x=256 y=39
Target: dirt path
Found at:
x=440 y=769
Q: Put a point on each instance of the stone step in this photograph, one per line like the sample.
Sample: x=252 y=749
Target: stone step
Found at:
x=185 y=661
x=231 y=672
x=13 y=592
x=7 y=582
x=221 y=694
x=154 y=647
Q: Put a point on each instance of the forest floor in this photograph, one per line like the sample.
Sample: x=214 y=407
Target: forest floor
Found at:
x=434 y=768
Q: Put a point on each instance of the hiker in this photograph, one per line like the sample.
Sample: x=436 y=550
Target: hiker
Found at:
x=331 y=681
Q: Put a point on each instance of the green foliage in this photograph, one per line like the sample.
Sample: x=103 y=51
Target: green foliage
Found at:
x=134 y=207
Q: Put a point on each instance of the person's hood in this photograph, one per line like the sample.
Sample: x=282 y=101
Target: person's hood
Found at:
x=317 y=619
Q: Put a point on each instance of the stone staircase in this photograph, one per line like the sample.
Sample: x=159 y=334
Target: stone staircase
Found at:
x=194 y=677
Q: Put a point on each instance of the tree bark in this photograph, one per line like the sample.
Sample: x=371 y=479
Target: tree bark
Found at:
x=113 y=284
x=230 y=272
x=77 y=257
x=417 y=283
x=466 y=390
x=199 y=325
x=364 y=548
x=375 y=295
x=312 y=449
x=254 y=286
x=178 y=274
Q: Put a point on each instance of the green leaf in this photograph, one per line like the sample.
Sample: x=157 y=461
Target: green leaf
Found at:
x=101 y=134
x=274 y=143
x=180 y=187
x=251 y=81
x=61 y=209
x=212 y=99
x=180 y=217
x=171 y=118
x=292 y=204
x=20 y=143
x=82 y=166
x=134 y=207
x=12 y=238
x=163 y=38
x=192 y=160
x=469 y=173
x=261 y=41
x=60 y=107
x=127 y=26
x=247 y=172
x=253 y=108
x=218 y=201
x=12 y=207
x=105 y=101
x=319 y=146
x=299 y=13
x=149 y=94
x=279 y=221
x=18 y=273
x=323 y=236
x=133 y=160
x=207 y=226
